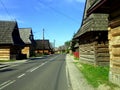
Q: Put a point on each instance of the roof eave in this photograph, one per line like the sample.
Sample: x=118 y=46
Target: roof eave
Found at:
x=100 y=7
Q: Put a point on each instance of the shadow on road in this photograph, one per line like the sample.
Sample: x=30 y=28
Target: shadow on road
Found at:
x=38 y=58
x=6 y=70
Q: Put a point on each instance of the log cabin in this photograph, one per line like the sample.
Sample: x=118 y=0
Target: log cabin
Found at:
x=74 y=44
x=26 y=35
x=43 y=47
x=113 y=9
x=10 y=41
x=75 y=48
x=93 y=38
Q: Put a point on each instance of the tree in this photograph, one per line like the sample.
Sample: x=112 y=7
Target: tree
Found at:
x=67 y=46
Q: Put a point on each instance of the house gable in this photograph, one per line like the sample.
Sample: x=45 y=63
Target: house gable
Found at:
x=27 y=37
x=43 y=46
x=9 y=34
x=10 y=41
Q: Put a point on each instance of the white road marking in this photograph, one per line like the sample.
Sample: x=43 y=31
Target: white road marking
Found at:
x=35 y=68
x=43 y=64
x=5 y=84
x=53 y=58
x=21 y=75
x=9 y=66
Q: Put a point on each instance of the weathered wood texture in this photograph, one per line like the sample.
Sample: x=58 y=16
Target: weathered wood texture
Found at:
x=87 y=53
x=102 y=53
x=41 y=52
x=97 y=54
x=94 y=48
x=4 y=53
x=113 y=9
x=114 y=48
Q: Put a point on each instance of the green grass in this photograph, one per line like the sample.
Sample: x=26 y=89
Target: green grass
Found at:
x=75 y=58
x=7 y=60
x=95 y=75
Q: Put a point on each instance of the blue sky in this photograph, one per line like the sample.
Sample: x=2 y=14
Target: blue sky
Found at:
x=60 y=18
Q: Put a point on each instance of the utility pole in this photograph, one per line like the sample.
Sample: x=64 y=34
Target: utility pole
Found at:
x=43 y=41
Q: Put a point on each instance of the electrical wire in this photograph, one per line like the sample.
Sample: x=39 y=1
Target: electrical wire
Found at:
x=12 y=18
x=58 y=12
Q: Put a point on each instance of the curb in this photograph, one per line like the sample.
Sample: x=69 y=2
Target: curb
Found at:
x=78 y=81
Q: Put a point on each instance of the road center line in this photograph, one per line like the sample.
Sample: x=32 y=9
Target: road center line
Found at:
x=21 y=75
x=35 y=68
x=53 y=58
x=31 y=70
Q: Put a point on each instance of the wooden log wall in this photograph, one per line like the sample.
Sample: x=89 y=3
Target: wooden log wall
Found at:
x=94 y=48
x=4 y=53
x=114 y=48
x=41 y=51
x=87 y=53
x=15 y=52
x=97 y=54
x=102 y=54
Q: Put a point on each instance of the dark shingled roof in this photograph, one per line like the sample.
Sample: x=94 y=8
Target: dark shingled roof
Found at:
x=26 y=35
x=95 y=22
x=9 y=33
x=104 y=4
x=39 y=44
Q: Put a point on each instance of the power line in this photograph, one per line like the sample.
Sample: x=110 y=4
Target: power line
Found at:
x=58 y=12
x=7 y=10
x=7 y=13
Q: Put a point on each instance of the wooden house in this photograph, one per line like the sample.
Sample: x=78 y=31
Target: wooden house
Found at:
x=10 y=41
x=74 y=44
x=27 y=37
x=93 y=39
x=43 y=47
x=113 y=9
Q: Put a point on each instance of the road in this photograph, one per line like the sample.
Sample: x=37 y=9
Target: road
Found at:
x=47 y=73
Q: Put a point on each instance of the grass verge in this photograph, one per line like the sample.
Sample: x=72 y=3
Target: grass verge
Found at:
x=95 y=75
x=75 y=58
x=7 y=60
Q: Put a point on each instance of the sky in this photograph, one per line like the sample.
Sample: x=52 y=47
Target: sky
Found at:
x=60 y=19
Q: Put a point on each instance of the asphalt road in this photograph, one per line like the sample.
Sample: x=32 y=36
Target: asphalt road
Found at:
x=48 y=73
